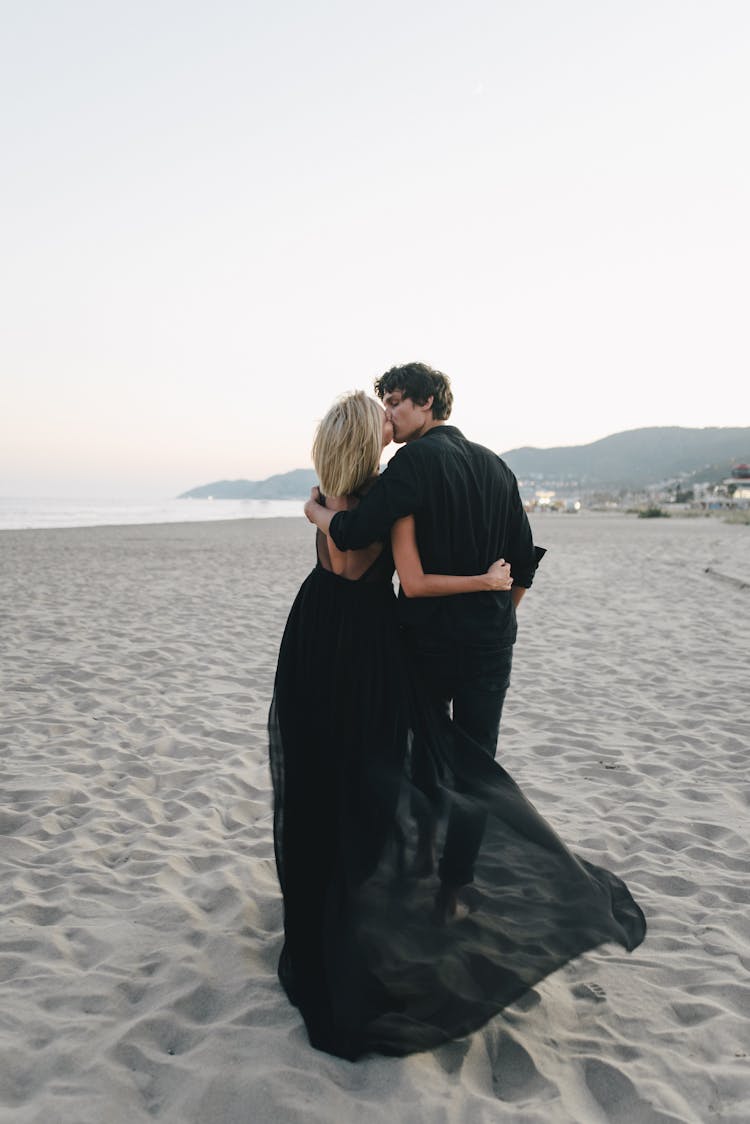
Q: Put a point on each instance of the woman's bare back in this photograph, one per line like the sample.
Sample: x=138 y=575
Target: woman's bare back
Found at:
x=349 y=564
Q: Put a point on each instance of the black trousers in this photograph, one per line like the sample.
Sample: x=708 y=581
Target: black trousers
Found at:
x=474 y=678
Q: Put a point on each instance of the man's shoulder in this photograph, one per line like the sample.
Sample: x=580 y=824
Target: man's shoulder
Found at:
x=490 y=455
x=477 y=451
x=444 y=444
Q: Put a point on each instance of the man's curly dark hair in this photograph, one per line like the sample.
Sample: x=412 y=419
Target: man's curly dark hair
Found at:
x=418 y=381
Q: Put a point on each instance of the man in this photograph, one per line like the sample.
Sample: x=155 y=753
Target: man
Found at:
x=468 y=513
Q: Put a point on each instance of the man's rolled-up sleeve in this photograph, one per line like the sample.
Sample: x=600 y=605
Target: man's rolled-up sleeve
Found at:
x=523 y=555
x=396 y=493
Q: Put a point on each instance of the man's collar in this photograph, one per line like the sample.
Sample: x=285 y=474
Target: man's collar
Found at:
x=441 y=429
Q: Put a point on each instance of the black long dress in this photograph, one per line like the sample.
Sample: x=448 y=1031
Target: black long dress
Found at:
x=367 y=958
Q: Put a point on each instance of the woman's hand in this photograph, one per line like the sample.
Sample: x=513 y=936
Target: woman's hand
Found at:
x=499 y=575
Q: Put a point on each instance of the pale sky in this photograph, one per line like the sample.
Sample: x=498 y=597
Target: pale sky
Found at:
x=217 y=217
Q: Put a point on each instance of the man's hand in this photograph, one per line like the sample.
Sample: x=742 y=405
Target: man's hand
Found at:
x=317 y=513
x=312 y=504
x=499 y=573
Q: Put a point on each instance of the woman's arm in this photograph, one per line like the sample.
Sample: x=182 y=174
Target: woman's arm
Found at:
x=416 y=583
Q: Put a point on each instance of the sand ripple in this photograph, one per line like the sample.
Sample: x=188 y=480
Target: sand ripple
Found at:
x=140 y=913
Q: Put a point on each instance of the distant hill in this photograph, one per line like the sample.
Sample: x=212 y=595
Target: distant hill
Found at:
x=636 y=457
x=293 y=485
x=632 y=459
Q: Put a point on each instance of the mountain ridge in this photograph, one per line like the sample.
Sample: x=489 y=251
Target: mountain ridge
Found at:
x=632 y=458
x=636 y=458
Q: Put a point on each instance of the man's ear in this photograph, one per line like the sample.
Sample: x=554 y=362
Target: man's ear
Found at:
x=427 y=405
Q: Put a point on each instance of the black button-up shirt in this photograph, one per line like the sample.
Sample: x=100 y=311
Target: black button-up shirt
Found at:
x=468 y=513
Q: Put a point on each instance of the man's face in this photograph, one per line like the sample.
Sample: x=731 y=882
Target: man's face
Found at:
x=387 y=430
x=409 y=420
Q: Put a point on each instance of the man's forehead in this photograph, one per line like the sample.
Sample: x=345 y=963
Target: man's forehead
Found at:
x=393 y=395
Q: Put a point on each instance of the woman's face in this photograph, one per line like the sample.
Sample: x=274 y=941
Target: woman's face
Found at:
x=387 y=429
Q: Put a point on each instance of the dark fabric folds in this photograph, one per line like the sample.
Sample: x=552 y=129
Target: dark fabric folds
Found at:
x=371 y=957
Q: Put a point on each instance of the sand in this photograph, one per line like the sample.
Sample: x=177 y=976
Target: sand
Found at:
x=140 y=915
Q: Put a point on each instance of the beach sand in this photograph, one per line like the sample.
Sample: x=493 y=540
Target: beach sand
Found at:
x=140 y=917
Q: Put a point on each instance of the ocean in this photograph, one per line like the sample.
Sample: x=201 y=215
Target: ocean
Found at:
x=22 y=514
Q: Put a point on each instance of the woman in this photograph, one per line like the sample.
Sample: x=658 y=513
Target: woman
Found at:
x=366 y=959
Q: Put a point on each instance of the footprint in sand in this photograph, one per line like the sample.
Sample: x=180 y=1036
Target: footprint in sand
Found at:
x=515 y=1076
x=593 y=991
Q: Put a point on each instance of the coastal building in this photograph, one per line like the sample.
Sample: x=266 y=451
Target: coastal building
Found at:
x=738 y=484
x=732 y=492
x=549 y=501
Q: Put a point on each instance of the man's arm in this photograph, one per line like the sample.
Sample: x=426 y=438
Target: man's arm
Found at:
x=519 y=590
x=523 y=555
x=394 y=494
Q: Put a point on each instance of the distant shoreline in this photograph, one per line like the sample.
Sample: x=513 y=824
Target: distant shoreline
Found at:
x=543 y=517
x=29 y=514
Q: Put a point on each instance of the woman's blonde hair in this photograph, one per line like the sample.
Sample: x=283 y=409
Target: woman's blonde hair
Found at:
x=348 y=443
